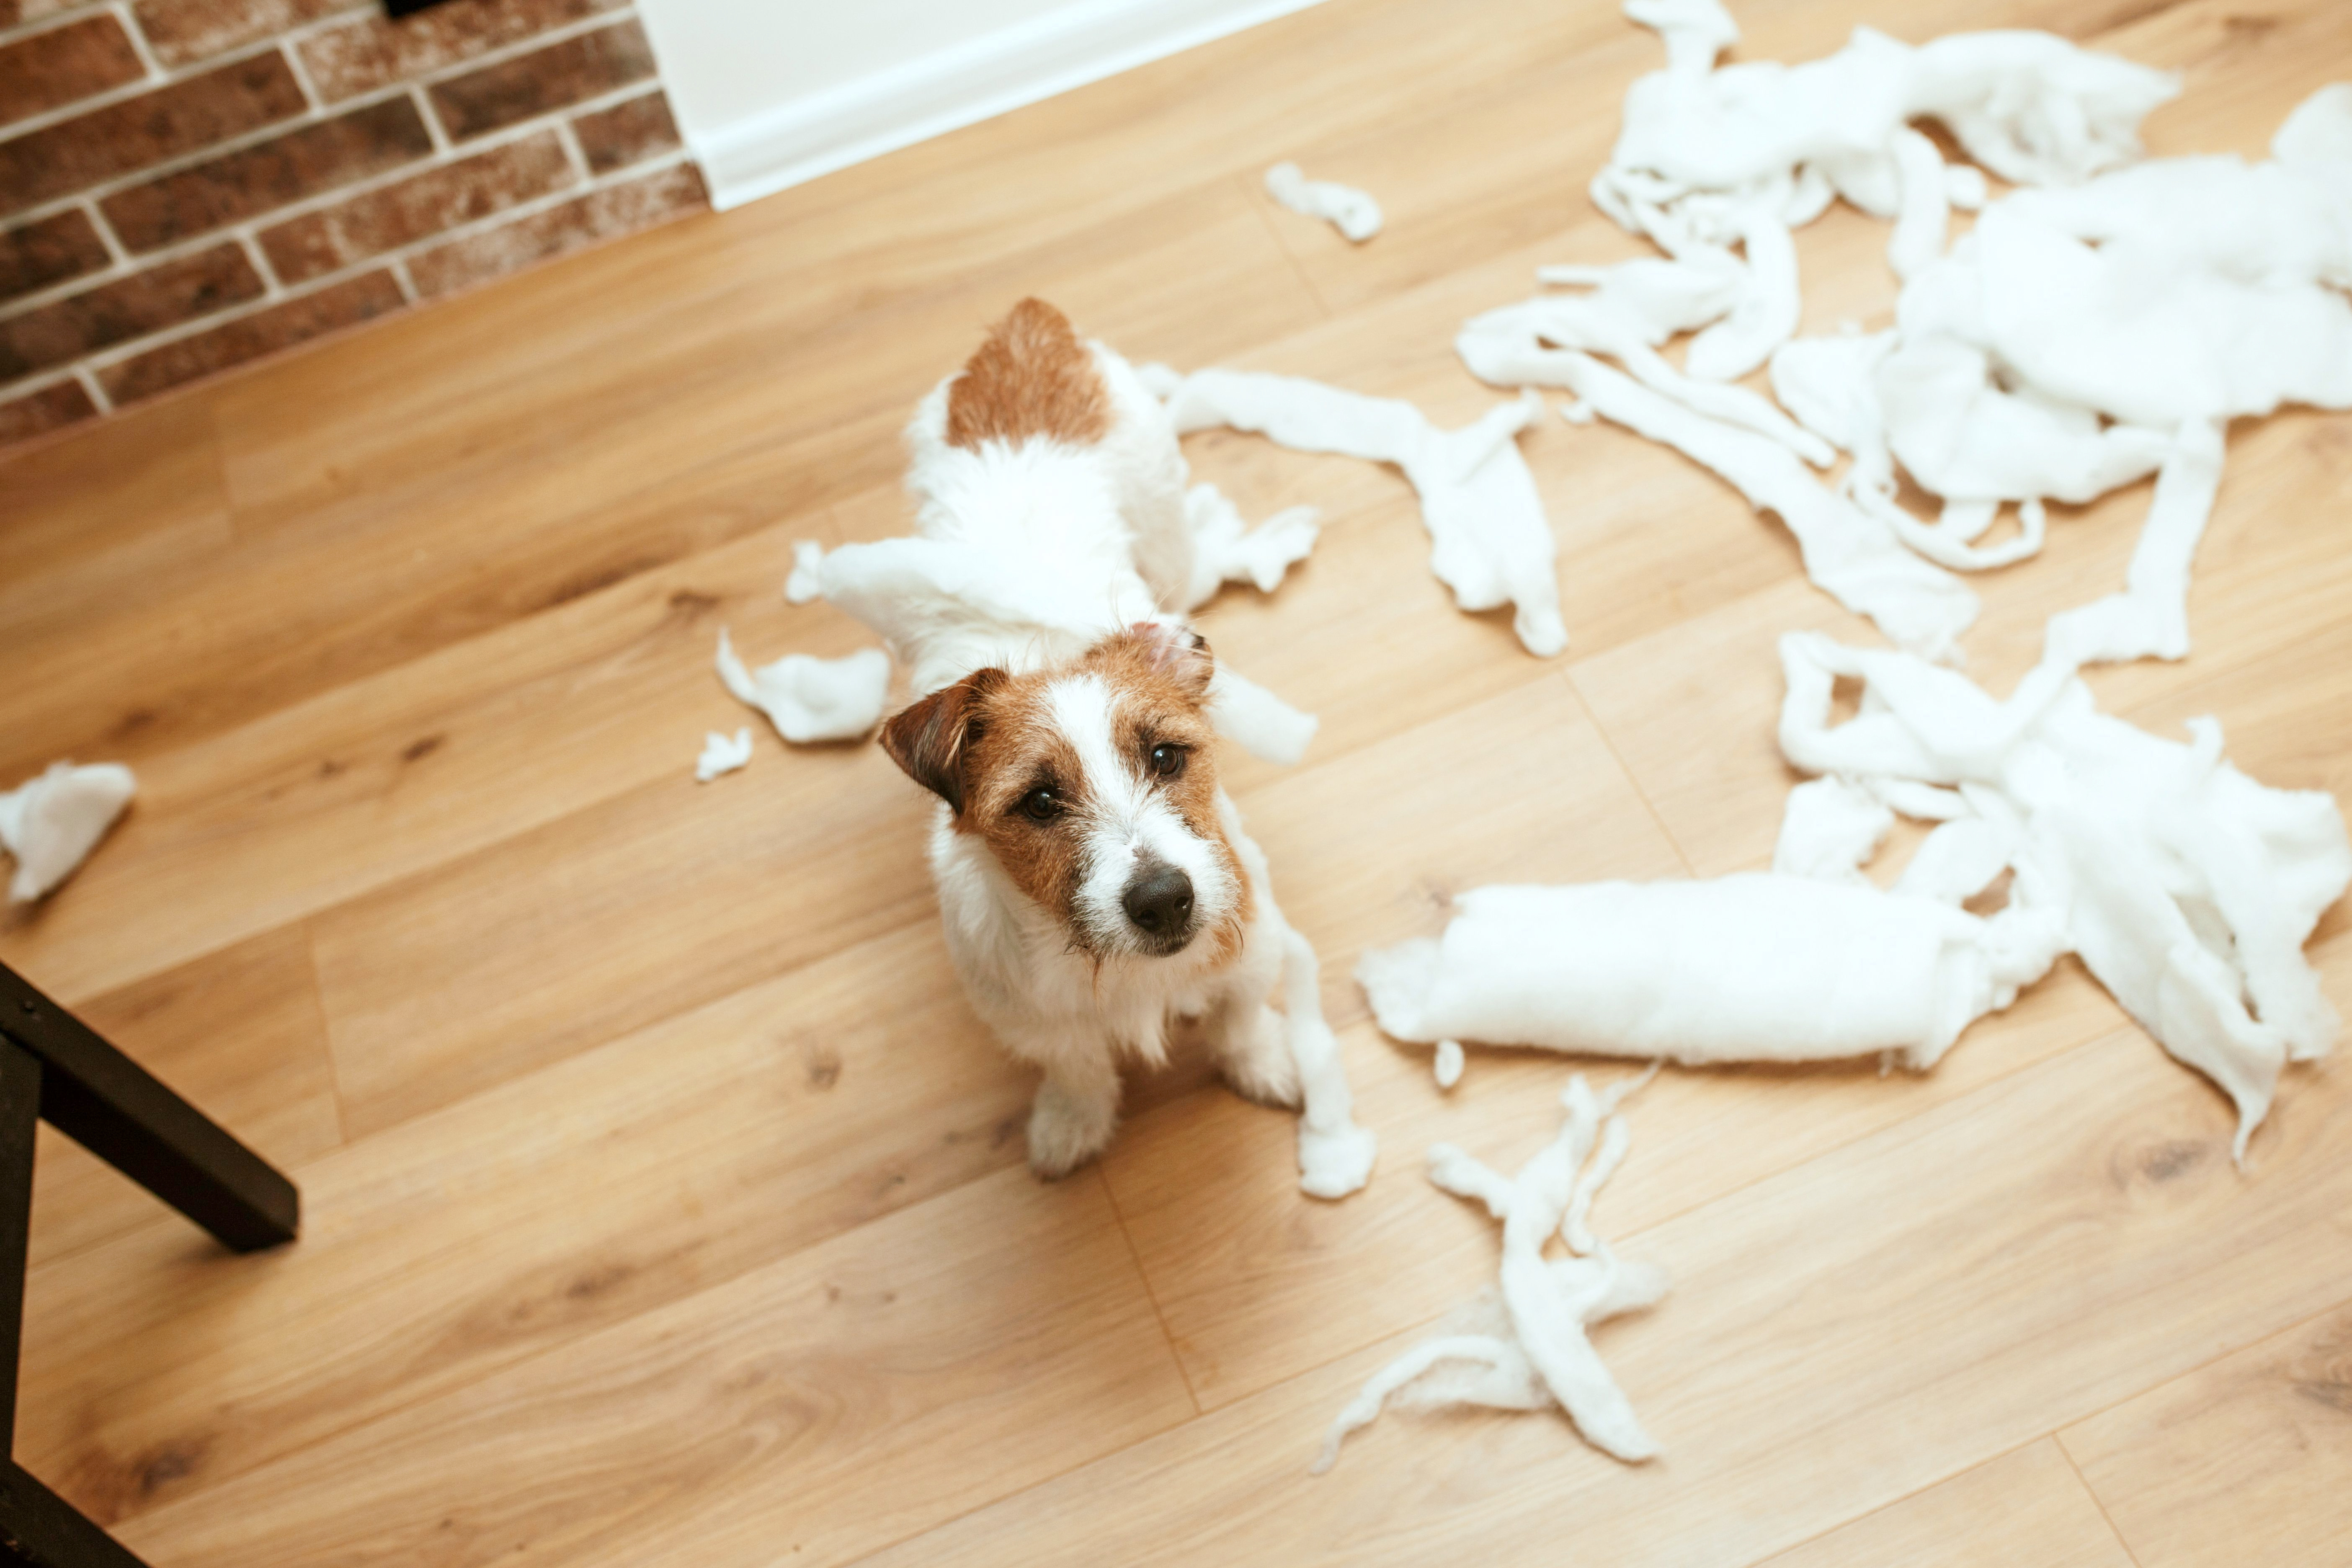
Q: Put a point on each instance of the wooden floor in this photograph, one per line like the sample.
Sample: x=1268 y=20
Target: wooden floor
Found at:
x=665 y=1204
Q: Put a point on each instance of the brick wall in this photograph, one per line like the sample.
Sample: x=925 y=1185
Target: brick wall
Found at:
x=189 y=184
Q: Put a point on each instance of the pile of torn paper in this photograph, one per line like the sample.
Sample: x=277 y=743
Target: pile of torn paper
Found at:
x=2185 y=886
x=2081 y=337
x=1524 y=1347
x=2100 y=323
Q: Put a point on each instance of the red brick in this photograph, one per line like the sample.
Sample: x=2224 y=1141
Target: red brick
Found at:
x=558 y=230
x=182 y=31
x=268 y=174
x=130 y=308
x=376 y=51
x=579 y=67
x=136 y=132
x=37 y=413
x=392 y=215
x=51 y=69
x=49 y=251
x=345 y=304
x=626 y=133
x=14 y=13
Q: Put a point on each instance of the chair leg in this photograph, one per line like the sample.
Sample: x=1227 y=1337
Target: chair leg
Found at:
x=35 y=1524
x=20 y=1108
x=119 y=1112
x=39 y=1527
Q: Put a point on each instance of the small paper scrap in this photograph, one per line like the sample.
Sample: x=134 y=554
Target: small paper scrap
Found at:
x=1344 y=208
x=51 y=822
x=723 y=753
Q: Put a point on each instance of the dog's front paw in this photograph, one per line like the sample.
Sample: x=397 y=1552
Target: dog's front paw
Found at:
x=1258 y=1062
x=1066 y=1131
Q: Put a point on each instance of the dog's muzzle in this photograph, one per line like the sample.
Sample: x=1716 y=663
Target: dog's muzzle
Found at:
x=1159 y=904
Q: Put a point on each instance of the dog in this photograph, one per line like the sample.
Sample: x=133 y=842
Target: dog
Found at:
x=1094 y=880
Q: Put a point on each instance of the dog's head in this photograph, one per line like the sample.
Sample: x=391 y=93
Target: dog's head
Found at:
x=1093 y=783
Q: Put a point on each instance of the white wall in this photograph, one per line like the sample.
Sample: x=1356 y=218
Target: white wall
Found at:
x=773 y=92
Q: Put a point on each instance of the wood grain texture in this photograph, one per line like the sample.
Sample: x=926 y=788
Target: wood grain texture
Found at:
x=866 y=1389
x=1838 y=1336
x=2025 y=1507
x=2246 y=1460
x=664 y=1199
x=668 y=1163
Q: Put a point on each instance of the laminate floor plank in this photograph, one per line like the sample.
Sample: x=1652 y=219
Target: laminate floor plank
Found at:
x=518 y=1223
x=2025 y=1507
x=664 y=1198
x=2247 y=1459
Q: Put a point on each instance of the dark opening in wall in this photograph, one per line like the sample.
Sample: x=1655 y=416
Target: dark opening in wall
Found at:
x=409 y=7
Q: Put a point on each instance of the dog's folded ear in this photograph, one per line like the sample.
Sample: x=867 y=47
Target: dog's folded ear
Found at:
x=928 y=739
x=1178 y=653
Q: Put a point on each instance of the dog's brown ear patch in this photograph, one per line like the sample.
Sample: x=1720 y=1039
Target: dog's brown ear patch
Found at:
x=1176 y=654
x=1032 y=377
x=928 y=739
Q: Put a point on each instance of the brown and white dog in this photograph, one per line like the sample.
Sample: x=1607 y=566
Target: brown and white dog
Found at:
x=1094 y=880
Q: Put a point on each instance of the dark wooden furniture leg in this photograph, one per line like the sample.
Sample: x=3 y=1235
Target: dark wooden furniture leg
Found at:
x=115 y=1108
x=53 y=1066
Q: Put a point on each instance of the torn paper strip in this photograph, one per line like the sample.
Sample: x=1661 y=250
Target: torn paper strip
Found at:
x=1227 y=549
x=722 y=755
x=809 y=699
x=1263 y=724
x=1848 y=553
x=1346 y=208
x=1524 y=1346
x=51 y=822
x=1758 y=967
x=1489 y=539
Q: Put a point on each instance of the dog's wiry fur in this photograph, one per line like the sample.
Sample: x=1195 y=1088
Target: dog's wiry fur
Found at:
x=1093 y=878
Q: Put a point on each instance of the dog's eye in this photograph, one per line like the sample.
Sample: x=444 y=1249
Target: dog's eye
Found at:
x=1167 y=761
x=1040 y=805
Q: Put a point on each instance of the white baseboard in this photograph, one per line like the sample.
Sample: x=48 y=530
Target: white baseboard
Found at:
x=795 y=143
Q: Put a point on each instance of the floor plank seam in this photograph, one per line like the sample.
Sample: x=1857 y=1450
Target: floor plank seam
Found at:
x=1873 y=1512
x=1143 y=1278
x=1607 y=740
x=2281 y=1332
x=1826 y=1151
x=1254 y=194
x=326 y=1032
x=2093 y=1492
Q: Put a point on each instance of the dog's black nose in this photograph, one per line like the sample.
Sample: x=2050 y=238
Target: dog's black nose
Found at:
x=1159 y=901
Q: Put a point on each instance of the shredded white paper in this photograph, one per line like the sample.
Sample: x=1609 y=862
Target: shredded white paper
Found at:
x=1489 y=539
x=1446 y=1065
x=2083 y=336
x=1344 y=208
x=1524 y=1346
x=2187 y=889
x=723 y=753
x=809 y=699
x=51 y=822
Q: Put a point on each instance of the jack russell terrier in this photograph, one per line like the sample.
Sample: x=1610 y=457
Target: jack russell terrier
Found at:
x=1094 y=881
